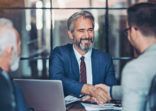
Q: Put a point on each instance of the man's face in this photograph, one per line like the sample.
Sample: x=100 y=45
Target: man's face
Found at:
x=83 y=34
x=133 y=37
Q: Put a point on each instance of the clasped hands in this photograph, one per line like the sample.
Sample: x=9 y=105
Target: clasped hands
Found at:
x=96 y=93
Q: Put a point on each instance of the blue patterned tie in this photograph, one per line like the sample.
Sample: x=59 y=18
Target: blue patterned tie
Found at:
x=83 y=77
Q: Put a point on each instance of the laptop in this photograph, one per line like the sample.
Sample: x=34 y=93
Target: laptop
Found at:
x=42 y=95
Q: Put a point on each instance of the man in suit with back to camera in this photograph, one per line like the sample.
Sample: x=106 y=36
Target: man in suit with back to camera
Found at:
x=138 y=73
x=10 y=97
x=79 y=66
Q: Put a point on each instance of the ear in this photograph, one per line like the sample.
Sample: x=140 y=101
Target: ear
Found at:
x=9 y=49
x=70 y=35
x=134 y=32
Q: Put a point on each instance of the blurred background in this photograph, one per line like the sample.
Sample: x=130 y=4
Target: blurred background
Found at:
x=42 y=26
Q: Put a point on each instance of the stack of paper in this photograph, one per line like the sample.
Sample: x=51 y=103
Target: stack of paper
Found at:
x=95 y=107
x=70 y=99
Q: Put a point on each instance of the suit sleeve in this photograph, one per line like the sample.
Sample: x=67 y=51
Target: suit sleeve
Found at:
x=57 y=72
x=117 y=92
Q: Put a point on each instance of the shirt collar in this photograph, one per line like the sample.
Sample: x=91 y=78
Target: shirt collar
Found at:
x=5 y=74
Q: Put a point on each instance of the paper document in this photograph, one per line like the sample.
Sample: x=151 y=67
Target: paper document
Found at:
x=70 y=99
x=95 y=107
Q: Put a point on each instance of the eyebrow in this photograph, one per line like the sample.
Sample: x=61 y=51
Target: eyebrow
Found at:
x=85 y=29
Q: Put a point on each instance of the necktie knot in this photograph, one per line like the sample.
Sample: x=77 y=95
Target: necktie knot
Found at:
x=82 y=58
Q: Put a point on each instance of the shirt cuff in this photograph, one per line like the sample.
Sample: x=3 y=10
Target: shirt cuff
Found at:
x=110 y=91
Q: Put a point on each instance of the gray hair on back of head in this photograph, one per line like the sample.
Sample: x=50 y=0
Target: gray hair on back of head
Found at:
x=5 y=22
x=7 y=35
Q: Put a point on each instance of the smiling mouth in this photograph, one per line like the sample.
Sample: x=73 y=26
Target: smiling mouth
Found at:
x=86 y=40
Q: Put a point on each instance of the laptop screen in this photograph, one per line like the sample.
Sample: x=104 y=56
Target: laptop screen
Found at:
x=42 y=95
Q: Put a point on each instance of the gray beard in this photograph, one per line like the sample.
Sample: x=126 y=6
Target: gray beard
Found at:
x=86 y=49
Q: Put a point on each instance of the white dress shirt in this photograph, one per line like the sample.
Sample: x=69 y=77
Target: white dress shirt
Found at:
x=87 y=62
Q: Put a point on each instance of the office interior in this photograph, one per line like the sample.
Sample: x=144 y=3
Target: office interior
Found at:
x=42 y=26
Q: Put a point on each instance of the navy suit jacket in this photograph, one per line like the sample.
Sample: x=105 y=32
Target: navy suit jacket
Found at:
x=11 y=98
x=64 y=66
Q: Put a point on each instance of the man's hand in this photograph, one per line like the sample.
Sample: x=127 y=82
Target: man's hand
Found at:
x=101 y=96
x=88 y=99
x=87 y=88
x=96 y=94
x=103 y=86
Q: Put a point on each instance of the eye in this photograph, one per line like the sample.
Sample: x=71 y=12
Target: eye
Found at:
x=90 y=30
x=81 y=30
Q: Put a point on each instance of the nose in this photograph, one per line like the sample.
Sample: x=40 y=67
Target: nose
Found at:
x=87 y=35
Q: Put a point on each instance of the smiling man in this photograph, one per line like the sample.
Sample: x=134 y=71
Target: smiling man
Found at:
x=79 y=66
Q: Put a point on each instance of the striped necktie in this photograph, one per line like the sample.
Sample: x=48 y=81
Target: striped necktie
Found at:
x=83 y=78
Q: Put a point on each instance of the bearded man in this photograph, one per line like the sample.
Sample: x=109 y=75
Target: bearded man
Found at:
x=79 y=66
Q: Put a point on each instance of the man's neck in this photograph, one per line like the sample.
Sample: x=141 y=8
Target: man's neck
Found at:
x=147 y=43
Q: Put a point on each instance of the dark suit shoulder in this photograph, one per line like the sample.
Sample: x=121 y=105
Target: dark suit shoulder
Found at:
x=5 y=94
x=65 y=49
x=4 y=83
x=2 y=76
x=102 y=54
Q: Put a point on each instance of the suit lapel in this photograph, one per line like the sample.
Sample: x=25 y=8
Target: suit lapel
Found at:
x=74 y=64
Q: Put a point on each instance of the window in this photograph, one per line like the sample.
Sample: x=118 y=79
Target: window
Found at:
x=42 y=25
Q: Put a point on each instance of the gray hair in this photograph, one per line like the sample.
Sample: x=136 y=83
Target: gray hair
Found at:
x=7 y=35
x=75 y=16
x=5 y=22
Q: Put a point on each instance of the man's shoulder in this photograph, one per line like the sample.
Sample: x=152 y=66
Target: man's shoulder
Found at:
x=62 y=51
x=100 y=53
x=142 y=61
x=133 y=69
x=131 y=65
x=63 y=47
x=3 y=80
x=1 y=74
